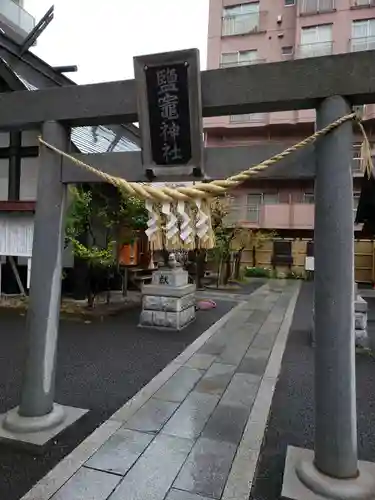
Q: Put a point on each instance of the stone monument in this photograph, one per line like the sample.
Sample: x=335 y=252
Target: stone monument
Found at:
x=360 y=315
x=168 y=303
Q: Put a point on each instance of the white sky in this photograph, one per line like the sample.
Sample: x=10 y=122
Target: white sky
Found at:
x=102 y=36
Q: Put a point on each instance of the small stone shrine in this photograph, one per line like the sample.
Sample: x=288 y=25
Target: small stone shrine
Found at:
x=168 y=303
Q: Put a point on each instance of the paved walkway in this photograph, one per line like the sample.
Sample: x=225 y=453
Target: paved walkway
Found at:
x=194 y=432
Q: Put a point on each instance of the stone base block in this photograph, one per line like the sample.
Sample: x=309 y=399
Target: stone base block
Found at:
x=299 y=471
x=170 y=277
x=362 y=338
x=167 y=320
x=360 y=315
x=168 y=291
x=360 y=305
x=170 y=304
x=28 y=434
x=360 y=321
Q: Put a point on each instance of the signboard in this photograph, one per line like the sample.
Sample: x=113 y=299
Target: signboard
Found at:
x=16 y=235
x=310 y=264
x=169 y=109
x=168 y=99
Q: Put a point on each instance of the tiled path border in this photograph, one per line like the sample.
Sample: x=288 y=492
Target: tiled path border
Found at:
x=240 y=478
x=244 y=466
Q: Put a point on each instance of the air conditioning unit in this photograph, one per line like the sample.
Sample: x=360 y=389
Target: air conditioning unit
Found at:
x=279 y=19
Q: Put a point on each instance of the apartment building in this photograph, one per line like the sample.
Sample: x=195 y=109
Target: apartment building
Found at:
x=247 y=32
x=15 y=20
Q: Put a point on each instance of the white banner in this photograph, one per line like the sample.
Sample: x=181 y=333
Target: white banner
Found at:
x=16 y=235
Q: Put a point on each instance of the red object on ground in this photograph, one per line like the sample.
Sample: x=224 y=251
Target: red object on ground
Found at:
x=206 y=304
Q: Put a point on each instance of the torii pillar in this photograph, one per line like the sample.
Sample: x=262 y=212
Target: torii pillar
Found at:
x=332 y=470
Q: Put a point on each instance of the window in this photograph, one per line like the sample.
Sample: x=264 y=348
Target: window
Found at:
x=287 y=51
x=363 y=3
x=234 y=209
x=363 y=35
x=357 y=158
x=356 y=197
x=316 y=41
x=287 y=3
x=308 y=198
x=316 y=6
x=239 y=58
x=248 y=118
x=254 y=202
x=271 y=199
x=240 y=19
x=360 y=110
x=356 y=165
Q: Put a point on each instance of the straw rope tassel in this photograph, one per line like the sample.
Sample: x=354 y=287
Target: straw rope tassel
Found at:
x=186 y=230
x=209 y=241
x=153 y=231
x=171 y=227
x=366 y=164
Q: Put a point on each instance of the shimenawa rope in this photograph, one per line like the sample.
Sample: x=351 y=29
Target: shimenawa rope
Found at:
x=197 y=196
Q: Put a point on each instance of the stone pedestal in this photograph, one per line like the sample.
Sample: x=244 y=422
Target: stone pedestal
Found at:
x=360 y=312
x=169 y=302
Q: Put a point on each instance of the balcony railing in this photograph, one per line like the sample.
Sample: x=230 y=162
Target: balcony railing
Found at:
x=243 y=24
x=241 y=63
x=316 y=6
x=362 y=3
x=274 y=216
x=315 y=49
x=363 y=43
x=18 y=16
x=248 y=118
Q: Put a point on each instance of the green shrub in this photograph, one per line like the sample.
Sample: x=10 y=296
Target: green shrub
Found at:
x=293 y=275
x=257 y=272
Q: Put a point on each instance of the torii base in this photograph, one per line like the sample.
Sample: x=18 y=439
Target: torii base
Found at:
x=36 y=432
x=303 y=480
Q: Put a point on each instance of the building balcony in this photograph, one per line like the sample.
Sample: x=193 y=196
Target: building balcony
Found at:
x=241 y=63
x=249 y=118
x=274 y=216
x=315 y=49
x=16 y=17
x=308 y=7
x=363 y=43
x=244 y=24
x=358 y=4
x=277 y=216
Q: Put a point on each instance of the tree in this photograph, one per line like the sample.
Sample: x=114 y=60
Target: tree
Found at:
x=225 y=234
x=233 y=239
x=100 y=220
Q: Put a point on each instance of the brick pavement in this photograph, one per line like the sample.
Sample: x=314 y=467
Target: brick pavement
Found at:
x=195 y=431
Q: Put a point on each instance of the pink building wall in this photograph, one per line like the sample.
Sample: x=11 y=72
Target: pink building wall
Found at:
x=269 y=40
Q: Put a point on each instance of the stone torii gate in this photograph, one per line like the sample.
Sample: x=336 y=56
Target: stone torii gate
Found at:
x=329 y=84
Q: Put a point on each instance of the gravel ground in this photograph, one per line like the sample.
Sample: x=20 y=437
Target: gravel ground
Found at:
x=100 y=366
x=292 y=417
